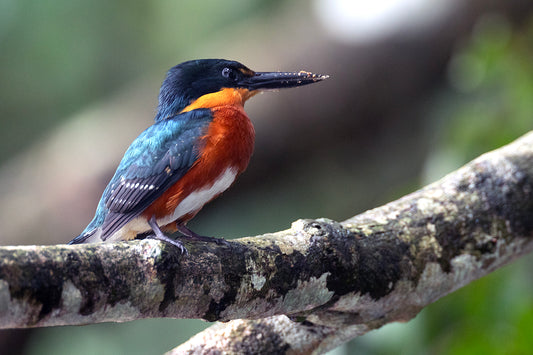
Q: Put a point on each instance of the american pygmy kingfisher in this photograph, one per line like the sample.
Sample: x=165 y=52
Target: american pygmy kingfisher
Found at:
x=200 y=141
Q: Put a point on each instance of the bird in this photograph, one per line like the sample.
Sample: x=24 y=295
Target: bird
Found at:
x=200 y=141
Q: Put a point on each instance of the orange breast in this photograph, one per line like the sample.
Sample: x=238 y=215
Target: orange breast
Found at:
x=228 y=143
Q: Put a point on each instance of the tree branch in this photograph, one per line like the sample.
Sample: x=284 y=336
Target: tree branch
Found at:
x=334 y=280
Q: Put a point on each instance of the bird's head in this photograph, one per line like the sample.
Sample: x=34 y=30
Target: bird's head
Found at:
x=206 y=83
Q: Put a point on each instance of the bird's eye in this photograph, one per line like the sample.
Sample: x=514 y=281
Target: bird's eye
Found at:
x=229 y=73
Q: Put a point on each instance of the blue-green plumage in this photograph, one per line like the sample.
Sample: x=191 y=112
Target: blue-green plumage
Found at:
x=167 y=150
x=159 y=157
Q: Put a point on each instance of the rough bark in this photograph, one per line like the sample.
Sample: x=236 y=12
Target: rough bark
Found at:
x=333 y=280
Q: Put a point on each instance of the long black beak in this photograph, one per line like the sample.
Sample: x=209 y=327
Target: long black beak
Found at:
x=279 y=80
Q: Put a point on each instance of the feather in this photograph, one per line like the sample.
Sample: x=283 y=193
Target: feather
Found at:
x=156 y=160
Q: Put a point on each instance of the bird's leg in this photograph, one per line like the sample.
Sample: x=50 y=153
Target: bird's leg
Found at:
x=193 y=236
x=160 y=236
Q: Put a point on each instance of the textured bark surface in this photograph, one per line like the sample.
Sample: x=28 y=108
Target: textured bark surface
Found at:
x=334 y=281
x=390 y=262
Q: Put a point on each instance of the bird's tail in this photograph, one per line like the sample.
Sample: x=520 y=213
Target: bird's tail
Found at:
x=78 y=240
x=83 y=238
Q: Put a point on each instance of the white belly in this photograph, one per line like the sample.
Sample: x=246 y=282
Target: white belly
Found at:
x=197 y=199
x=192 y=203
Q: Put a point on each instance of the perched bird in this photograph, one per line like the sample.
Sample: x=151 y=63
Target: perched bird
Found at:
x=200 y=142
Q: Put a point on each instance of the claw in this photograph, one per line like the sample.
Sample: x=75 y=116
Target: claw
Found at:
x=160 y=236
x=193 y=236
x=173 y=242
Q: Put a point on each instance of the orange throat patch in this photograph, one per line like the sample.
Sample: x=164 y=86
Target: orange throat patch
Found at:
x=224 y=97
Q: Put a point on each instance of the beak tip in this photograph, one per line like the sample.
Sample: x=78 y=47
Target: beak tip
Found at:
x=314 y=77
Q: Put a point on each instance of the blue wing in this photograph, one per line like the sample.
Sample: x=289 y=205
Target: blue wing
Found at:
x=157 y=159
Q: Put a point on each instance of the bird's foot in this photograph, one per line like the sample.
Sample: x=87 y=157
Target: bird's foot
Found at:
x=160 y=236
x=201 y=238
x=174 y=242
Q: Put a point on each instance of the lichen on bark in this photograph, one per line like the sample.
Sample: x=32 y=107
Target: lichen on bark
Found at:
x=319 y=280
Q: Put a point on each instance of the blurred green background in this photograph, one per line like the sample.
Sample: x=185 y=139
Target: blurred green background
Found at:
x=417 y=89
